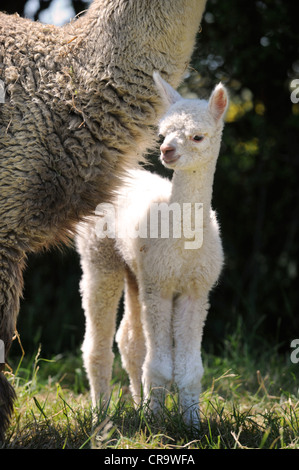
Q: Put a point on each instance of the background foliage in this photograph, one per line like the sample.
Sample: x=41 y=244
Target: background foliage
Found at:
x=253 y=47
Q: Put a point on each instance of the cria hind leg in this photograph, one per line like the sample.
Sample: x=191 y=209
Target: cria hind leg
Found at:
x=158 y=365
x=189 y=318
x=101 y=288
x=130 y=337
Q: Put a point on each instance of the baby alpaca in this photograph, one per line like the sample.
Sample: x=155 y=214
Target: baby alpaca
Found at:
x=167 y=280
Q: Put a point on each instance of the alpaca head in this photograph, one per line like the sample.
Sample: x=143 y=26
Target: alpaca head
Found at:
x=191 y=128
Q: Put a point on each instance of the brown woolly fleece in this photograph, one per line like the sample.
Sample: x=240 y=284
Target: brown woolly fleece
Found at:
x=79 y=100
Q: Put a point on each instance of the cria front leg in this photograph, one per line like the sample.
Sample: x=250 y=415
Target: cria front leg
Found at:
x=158 y=364
x=189 y=318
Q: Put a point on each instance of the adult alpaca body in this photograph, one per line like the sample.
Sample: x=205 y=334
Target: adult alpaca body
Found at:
x=167 y=280
x=79 y=100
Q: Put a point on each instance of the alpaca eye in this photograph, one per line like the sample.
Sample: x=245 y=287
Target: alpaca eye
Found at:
x=197 y=138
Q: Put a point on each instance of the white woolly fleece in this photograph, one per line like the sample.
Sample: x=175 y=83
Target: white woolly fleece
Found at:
x=167 y=286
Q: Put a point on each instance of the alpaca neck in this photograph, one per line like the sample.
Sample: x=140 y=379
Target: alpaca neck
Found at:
x=194 y=186
x=149 y=35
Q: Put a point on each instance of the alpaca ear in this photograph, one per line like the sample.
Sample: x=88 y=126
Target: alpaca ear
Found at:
x=168 y=94
x=218 y=102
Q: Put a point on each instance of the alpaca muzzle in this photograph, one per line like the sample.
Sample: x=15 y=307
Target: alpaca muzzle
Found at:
x=168 y=154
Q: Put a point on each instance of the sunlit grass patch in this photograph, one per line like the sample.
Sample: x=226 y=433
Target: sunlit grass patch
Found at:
x=248 y=400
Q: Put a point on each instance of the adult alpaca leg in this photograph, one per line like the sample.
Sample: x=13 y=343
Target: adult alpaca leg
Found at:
x=130 y=337
x=11 y=284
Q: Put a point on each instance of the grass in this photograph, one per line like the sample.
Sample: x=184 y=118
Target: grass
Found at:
x=250 y=400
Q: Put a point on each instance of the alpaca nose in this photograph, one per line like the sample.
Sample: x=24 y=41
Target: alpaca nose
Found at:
x=167 y=152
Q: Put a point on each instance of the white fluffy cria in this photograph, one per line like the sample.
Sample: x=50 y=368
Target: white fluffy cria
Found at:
x=167 y=281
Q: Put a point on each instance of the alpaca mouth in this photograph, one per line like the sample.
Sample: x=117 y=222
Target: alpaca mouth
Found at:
x=169 y=159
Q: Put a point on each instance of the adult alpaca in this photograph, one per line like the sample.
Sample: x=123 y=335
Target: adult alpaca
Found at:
x=79 y=100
